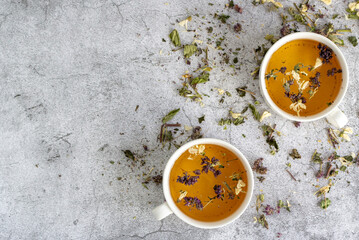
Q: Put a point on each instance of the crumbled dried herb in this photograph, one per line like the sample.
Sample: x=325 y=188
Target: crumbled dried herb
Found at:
x=223 y=18
x=157 y=179
x=258 y=166
x=174 y=36
x=316 y=157
x=170 y=115
x=255 y=113
x=237 y=27
x=129 y=155
x=241 y=91
x=201 y=119
x=203 y=78
x=189 y=50
x=353 y=40
x=332 y=138
x=294 y=154
x=268 y=132
x=261 y=179
x=238 y=9
x=262 y=220
x=196 y=133
x=325 y=203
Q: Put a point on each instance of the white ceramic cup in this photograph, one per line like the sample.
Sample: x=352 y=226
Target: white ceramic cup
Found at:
x=170 y=207
x=332 y=113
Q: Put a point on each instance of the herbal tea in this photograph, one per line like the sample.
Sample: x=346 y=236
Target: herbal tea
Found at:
x=303 y=77
x=208 y=182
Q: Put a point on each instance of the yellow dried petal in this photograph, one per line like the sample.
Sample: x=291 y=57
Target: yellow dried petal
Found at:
x=317 y=64
x=328 y=2
x=352 y=6
x=265 y=115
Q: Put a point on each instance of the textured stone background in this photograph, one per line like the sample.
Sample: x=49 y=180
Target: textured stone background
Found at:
x=72 y=73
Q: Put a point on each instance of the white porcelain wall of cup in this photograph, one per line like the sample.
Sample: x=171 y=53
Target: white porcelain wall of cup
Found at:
x=332 y=113
x=170 y=207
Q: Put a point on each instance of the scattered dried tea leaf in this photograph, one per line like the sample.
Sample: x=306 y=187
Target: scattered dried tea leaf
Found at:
x=254 y=112
x=196 y=133
x=258 y=166
x=325 y=203
x=295 y=154
x=129 y=155
x=189 y=50
x=333 y=138
x=174 y=36
x=203 y=78
x=201 y=119
x=170 y=115
x=316 y=157
x=223 y=18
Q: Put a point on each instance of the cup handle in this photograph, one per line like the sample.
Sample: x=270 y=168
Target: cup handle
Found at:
x=162 y=211
x=337 y=118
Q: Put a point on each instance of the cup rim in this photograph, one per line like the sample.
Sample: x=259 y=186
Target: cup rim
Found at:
x=183 y=216
x=309 y=36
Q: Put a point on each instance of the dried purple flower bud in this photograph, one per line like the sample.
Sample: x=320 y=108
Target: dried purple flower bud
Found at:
x=209 y=165
x=217 y=173
x=319 y=174
x=325 y=53
x=282 y=70
x=258 y=166
x=193 y=202
x=219 y=191
x=238 y=27
x=197 y=172
x=268 y=210
x=285 y=30
x=187 y=179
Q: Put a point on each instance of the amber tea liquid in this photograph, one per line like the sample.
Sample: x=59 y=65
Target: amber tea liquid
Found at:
x=305 y=52
x=215 y=209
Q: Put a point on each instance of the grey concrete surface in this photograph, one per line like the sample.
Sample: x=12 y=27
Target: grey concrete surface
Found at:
x=71 y=76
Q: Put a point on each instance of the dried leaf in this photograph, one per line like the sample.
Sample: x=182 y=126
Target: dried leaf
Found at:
x=170 y=115
x=174 y=36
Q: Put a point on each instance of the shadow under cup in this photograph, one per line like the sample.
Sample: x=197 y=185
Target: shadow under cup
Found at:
x=192 y=219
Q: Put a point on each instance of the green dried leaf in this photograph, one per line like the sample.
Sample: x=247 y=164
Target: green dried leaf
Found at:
x=336 y=40
x=129 y=155
x=353 y=40
x=325 y=203
x=170 y=115
x=223 y=18
x=189 y=50
x=204 y=77
x=174 y=36
x=201 y=119
x=223 y=122
x=238 y=121
x=316 y=157
x=255 y=113
x=241 y=91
